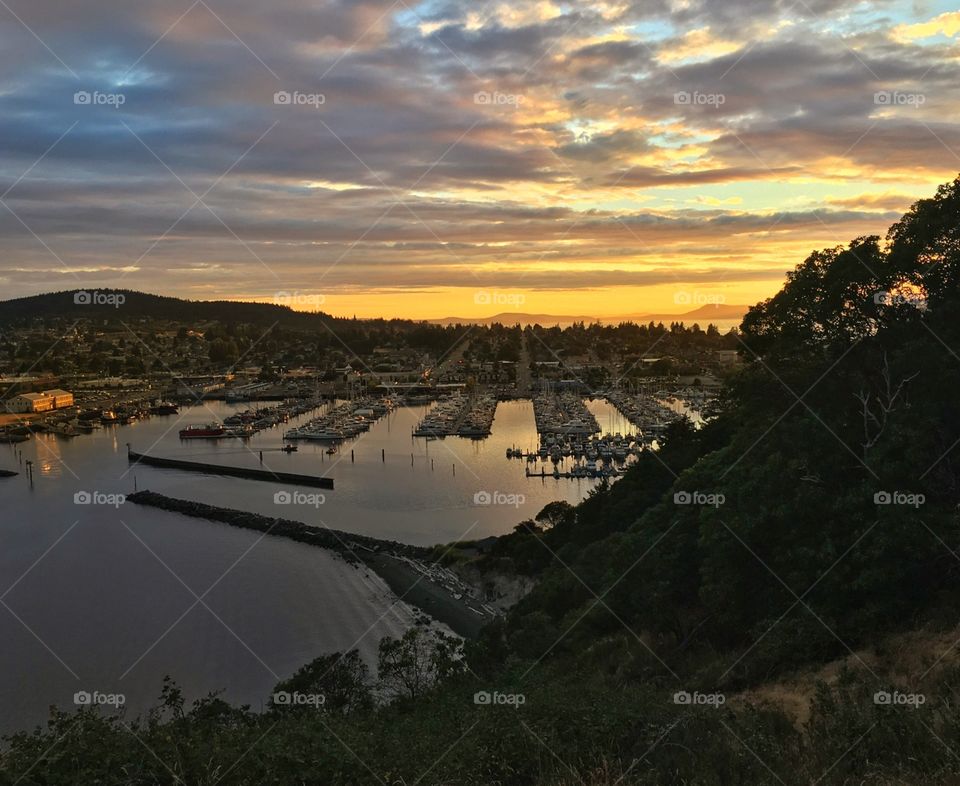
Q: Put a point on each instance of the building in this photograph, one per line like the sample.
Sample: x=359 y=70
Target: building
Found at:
x=25 y=403
x=61 y=398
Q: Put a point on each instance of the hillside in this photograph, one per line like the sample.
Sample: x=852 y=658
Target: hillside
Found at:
x=72 y=304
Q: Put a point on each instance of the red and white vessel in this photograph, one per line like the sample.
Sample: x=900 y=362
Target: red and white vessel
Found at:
x=211 y=431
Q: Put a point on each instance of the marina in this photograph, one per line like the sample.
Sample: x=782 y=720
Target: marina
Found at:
x=459 y=415
x=343 y=421
x=563 y=413
x=285 y=600
x=390 y=485
x=651 y=411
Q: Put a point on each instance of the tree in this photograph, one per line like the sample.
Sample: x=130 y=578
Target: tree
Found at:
x=409 y=666
x=342 y=679
x=557 y=513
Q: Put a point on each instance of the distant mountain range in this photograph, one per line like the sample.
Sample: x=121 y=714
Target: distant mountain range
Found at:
x=128 y=304
x=703 y=315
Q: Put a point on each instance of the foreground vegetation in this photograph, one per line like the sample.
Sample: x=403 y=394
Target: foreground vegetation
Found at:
x=814 y=517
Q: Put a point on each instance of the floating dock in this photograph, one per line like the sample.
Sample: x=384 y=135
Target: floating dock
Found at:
x=237 y=472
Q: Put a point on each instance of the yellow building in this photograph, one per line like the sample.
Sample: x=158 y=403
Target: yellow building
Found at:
x=25 y=403
x=61 y=398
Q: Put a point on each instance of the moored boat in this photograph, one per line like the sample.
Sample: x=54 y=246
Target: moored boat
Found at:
x=210 y=431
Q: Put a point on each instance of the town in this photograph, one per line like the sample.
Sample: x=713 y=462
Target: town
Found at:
x=62 y=374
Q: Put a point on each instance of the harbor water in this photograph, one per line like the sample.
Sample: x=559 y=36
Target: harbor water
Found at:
x=110 y=597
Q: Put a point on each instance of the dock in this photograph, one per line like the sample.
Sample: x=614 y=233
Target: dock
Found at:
x=611 y=472
x=237 y=472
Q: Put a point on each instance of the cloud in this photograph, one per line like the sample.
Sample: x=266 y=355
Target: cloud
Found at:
x=947 y=24
x=401 y=176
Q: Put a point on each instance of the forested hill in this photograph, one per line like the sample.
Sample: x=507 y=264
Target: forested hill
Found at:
x=80 y=303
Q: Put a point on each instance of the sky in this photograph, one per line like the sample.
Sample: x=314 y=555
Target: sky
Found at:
x=453 y=158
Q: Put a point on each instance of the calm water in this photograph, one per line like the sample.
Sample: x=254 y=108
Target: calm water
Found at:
x=96 y=597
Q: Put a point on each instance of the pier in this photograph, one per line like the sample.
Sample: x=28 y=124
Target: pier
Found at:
x=605 y=472
x=237 y=472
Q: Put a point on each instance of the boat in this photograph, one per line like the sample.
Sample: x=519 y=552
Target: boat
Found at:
x=109 y=417
x=289 y=448
x=164 y=408
x=211 y=431
x=331 y=451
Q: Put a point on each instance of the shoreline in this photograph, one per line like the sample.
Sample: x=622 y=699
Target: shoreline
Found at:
x=396 y=563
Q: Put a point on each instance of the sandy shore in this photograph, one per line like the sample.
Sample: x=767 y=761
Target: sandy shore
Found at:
x=437 y=601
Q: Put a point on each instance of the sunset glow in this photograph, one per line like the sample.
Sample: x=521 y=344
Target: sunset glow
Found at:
x=394 y=159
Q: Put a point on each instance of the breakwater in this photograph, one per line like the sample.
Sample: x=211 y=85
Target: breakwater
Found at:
x=342 y=542
x=237 y=472
x=400 y=565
